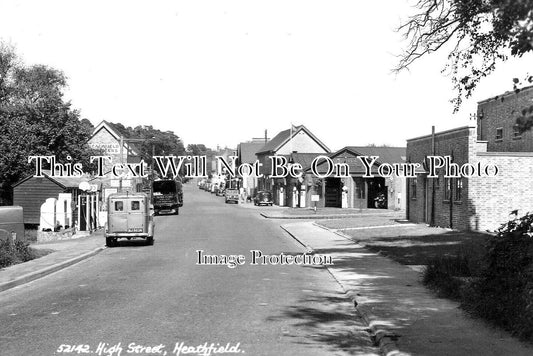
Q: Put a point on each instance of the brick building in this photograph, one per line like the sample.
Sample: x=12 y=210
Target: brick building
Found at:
x=295 y=140
x=496 y=121
x=476 y=202
x=107 y=138
x=360 y=192
x=246 y=153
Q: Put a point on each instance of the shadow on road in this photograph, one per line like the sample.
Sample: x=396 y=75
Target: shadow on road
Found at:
x=327 y=319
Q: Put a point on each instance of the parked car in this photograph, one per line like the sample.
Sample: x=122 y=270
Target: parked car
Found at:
x=201 y=183
x=231 y=195
x=263 y=197
x=129 y=216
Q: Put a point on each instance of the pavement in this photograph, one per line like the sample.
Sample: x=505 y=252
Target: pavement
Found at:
x=276 y=212
x=65 y=253
x=404 y=317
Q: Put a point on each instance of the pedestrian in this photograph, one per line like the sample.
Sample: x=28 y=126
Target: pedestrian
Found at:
x=242 y=194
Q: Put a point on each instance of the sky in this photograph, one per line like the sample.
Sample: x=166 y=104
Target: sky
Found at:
x=222 y=72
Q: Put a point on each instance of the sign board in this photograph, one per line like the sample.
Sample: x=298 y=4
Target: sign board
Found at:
x=315 y=197
x=108 y=148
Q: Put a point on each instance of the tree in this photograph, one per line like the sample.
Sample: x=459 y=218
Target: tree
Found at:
x=35 y=119
x=149 y=140
x=482 y=32
x=197 y=149
x=161 y=142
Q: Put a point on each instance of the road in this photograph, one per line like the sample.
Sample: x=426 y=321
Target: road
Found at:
x=148 y=296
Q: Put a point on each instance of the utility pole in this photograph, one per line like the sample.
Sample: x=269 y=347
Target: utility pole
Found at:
x=122 y=141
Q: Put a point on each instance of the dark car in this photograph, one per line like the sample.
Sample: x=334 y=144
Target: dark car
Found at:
x=263 y=198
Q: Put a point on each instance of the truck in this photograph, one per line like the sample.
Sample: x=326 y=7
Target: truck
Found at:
x=167 y=196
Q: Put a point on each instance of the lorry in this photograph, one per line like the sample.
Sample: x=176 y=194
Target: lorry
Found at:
x=167 y=196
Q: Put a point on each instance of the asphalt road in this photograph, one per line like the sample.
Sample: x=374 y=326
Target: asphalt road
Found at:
x=157 y=295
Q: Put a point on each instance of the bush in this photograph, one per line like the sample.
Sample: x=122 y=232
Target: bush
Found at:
x=443 y=273
x=13 y=253
x=23 y=251
x=504 y=292
x=7 y=253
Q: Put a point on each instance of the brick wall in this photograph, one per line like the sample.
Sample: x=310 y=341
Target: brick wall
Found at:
x=487 y=200
x=491 y=199
x=110 y=145
x=502 y=112
x=430 y=199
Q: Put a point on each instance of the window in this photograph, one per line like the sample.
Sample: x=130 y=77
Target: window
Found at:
x=413 y=188
x=499 y=134
x=119 y=206
x=447 y=189
x=458 y=190
x=135 y=205
x=517 y=135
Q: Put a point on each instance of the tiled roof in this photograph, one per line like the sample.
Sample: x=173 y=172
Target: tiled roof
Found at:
x=305 y=159
x=284 y=136
x=247 y=151
x=120 y=130
x=386 y=154
x=65 y=182
x=277 y=141
x=349 y=156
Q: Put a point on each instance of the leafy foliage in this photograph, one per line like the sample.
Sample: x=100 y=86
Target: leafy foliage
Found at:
x=197 y=149
x=35 y=119
x=484 y=33
x=13 y=253
x=442 y=274
x=504 y=292
x=152 y=141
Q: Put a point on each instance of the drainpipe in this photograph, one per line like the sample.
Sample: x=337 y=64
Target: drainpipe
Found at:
x=451 y=198
x=433 y=152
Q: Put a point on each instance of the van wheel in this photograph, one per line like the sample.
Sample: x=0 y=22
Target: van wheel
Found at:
x=110 y=242
x=150 y=240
